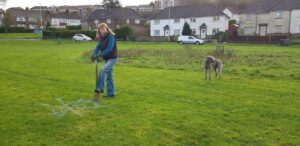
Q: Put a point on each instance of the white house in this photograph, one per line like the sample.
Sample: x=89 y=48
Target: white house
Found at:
x=1 y=16
x=64 y=19
x=203 y=20
x=295 y=21
x=162 y=4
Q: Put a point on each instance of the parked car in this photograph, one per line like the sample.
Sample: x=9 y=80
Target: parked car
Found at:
x=81 y=37
x=189 y=40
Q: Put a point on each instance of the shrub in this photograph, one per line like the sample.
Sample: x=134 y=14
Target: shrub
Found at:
x=50 y=34
x=124 y=33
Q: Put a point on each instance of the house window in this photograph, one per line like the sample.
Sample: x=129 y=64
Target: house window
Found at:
x=248 y=17
x=216 y=18
x=177 y=32
x=194 y=31
x=21 y=25
x=249 y=30
x=108 y=21
x=193 y=19
x=127 y=21
x=156 y=32
x=176 y=20
x=21 y=19
x=215 y=31
x=137 y=21
x=96 y=22
x=278 y=29
x=156 y=22
x=279 y=15
x=32 y=26
x=32 y=19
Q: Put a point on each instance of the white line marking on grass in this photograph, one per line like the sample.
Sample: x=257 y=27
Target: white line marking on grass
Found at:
x=63 y=108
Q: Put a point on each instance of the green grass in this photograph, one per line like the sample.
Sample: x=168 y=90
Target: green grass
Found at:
x=19 y=36
x=162 y=98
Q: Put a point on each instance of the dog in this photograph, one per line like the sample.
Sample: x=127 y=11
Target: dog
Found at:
x=213 y=63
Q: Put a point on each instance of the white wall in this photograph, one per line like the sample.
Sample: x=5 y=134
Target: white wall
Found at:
x=295 y=22
x=55 y=22
x=222 y=25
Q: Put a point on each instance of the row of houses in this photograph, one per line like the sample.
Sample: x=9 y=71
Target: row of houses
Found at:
x=271 y=17
x=266 y=17
x=32 y=19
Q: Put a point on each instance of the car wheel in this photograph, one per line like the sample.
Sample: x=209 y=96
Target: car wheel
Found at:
x=74 y=40
x=181 y=42
x=197 y=43
x=84 y=40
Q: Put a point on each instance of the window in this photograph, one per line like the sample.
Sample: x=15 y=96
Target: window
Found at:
x=32 y=26
x=248 y=17
x=177 y=32
x=32 y=19
x=21 y=19
x=127 y=21
x=278 y=29
x=194 y=31
x=279 y=15
x=216 y=18
x=156 y=32
x=156 y=22
x=96 y=22
x=191 y=38
x=137 y=21
x=21 y=25
x=176 y=20
x=108 y=21
x=249 y=30
x=193 y=19
x=215 y=31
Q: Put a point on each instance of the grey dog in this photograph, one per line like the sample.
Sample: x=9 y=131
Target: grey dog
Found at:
x=213 y=63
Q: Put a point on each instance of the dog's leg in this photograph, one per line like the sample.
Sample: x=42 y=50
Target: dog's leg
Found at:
x=210 y=72
x=220 y=72
x=216 y=72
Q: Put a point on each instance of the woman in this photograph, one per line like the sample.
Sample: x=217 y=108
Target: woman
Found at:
x=106 y=49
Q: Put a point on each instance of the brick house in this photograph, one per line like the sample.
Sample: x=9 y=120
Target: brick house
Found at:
x=29 y=19
x=116 y=18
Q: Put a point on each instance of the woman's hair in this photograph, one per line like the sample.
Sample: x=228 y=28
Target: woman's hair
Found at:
x=104 y=25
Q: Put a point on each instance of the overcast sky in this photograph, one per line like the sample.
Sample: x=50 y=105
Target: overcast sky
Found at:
x=31 y=3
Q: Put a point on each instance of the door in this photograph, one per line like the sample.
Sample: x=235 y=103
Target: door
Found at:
x=262 y=30
x=203 y=33
x=191 y=40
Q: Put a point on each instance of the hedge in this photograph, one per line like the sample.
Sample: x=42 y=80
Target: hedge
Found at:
x=16 y=30
x=67 y=34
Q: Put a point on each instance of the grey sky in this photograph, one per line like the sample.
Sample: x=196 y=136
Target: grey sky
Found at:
x=30 y=3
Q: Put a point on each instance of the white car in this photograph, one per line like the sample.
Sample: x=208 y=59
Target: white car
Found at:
x=81 y=37
x=189 y=40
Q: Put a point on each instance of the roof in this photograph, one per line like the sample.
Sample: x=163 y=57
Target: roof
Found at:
x=188 y=11
x=287 y=5
x=272 y=5
x=65 y=15
x=24 y=13
x=115 y=13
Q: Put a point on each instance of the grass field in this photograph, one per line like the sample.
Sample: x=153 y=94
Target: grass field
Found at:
x=19 y=36
x=162 y=98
